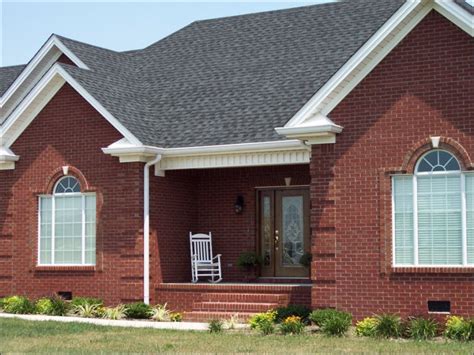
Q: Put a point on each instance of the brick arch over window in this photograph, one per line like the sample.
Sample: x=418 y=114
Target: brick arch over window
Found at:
x=58 y=173
x=448 y=144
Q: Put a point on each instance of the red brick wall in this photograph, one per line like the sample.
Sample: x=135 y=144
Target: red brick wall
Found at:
x=69 y=131
x=423 y=88
x=203 y=200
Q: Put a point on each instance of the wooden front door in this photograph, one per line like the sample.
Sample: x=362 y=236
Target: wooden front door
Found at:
x=284 y=231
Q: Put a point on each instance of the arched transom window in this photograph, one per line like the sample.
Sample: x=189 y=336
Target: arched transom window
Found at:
x=433 y=213
x=67 y=225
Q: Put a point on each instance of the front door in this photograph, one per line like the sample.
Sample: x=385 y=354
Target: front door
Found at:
x=284 y=231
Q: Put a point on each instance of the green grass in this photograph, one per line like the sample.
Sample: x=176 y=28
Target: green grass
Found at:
x=53 y=337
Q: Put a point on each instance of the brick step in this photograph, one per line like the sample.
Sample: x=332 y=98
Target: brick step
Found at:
x=283 y=280
x=203 y=316
x=278 y=298
x=233 y=306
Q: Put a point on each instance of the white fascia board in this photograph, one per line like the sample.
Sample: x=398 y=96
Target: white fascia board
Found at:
x=52 y=42
x=227 y=155
x=352 y=63
x=456 y=14
x=236 y=148
x=8 y=137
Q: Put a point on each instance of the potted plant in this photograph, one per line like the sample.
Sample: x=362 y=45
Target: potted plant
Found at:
x=306 y=259
x=249 y=262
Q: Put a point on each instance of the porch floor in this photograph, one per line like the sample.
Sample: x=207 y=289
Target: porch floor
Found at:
x=205 y=301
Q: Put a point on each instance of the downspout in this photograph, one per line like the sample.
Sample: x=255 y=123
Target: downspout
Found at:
x=146 y=228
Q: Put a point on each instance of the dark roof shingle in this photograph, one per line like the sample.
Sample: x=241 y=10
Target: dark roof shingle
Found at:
x=228 y=80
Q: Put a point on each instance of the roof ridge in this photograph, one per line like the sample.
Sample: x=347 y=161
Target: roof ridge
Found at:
x=85 y=43
x=13 y=66
x=286 y=10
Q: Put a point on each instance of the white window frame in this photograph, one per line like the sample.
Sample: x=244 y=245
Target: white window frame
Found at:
x=53 y=224
x=416 y=263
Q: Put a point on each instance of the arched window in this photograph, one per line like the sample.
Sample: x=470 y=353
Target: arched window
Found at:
x=433 y=213
x=67 y=224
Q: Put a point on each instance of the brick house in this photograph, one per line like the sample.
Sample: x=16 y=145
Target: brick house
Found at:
x=343 y=130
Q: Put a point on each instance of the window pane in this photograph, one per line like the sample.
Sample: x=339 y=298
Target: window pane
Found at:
x=68 y=230
x=45 y=230
x=90 y=229
x=470 y=217
x=403 y=224
x=67 y=184
x=439 y=220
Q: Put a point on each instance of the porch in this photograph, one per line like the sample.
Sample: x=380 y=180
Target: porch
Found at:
x=203 y=201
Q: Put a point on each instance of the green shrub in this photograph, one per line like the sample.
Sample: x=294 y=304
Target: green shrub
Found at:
x=306 y=259
x=82 y=301
x=2 y=302
x=292 y=325
x=319 y=316
x=336 y=324
x=292 y=310
x=18 y=305
x=248 y=261
x=256 y=320
x=176 y=317
x=338 y=318
x=388 y=326
x=366 y=327
x=422 y=328
x=53 y=306
x=114 y=313
x=266 y=327
x=160 y=313
x=87 y=310
x=216 y=326
x=138 y=310
x=458 y=328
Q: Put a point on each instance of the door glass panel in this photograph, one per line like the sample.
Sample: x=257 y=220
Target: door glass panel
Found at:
x=266 y=231
x=292 y=230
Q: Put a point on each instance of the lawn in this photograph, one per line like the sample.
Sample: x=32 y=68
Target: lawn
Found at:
x=49 y=337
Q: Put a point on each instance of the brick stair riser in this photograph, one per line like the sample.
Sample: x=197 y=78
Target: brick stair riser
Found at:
x=233 y=307
x=207 y=316
x=245 y=297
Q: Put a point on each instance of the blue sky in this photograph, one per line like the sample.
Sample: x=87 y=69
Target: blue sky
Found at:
x=117 y=25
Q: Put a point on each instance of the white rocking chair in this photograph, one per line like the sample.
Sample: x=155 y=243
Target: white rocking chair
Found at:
x=203 y=263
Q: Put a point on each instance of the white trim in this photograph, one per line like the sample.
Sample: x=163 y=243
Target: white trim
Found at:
x=236 y=148
x=355 y=60
x=217 y=156
x=56 y=76
x=288 y=157
x=7 y=159
x=456 y=14
x=52 y=42
x=374 y=51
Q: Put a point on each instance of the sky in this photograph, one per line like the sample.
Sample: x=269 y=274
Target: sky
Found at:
x=118 y=25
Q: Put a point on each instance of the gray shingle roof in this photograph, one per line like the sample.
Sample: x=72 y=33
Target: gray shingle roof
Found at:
x=8 y=76
x=228 y=80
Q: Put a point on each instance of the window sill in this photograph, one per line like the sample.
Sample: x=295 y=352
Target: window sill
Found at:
x=432 y=270
x=88 y=268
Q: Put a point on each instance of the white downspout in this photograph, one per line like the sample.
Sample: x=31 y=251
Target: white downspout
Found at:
x=146 y=228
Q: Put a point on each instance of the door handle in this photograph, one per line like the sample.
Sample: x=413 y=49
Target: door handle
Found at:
x=277 y=238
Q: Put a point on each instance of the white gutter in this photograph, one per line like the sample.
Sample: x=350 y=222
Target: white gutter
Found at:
x=146 y=228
